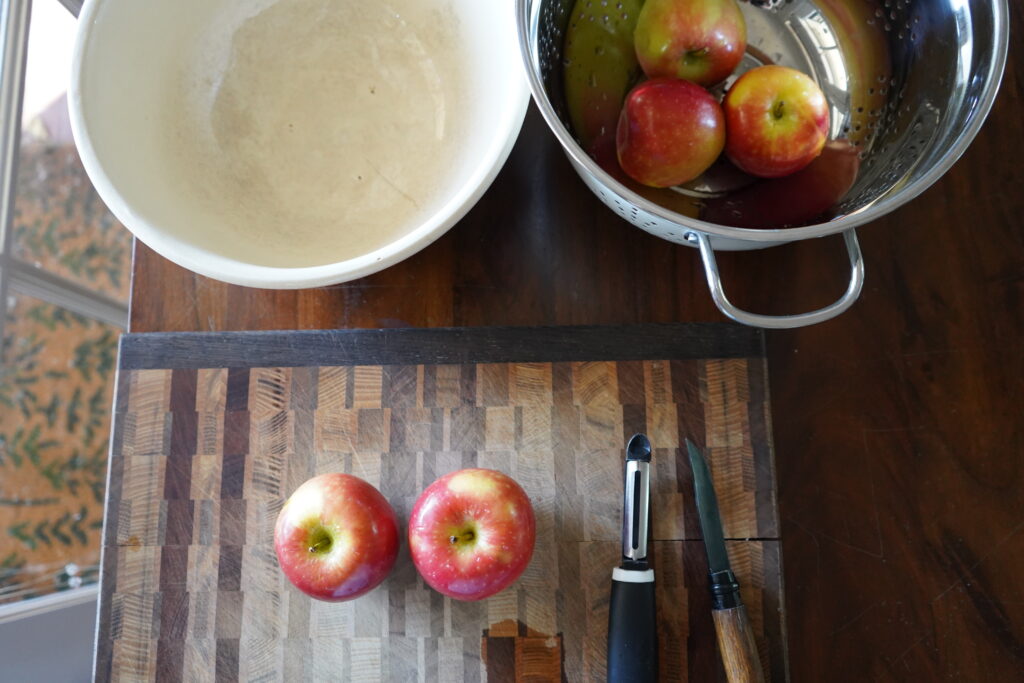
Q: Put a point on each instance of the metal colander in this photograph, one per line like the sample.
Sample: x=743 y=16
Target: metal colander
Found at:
x=909 y=83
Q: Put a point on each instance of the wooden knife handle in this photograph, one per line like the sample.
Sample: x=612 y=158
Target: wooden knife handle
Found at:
x=737 y=645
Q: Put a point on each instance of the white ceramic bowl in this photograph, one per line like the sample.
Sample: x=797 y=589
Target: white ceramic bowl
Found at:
x=149 y=82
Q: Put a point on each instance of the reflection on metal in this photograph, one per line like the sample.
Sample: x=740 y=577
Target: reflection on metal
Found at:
x=814 y=29
x=782 y=322
x=14 y=21
x=894 y=58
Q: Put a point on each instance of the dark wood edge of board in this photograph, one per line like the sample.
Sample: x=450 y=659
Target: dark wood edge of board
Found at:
x=441 y=345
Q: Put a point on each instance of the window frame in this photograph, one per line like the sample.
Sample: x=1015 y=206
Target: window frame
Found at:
x=15 y=274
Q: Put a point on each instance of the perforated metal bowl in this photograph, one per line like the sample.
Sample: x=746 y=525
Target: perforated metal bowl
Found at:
x=909 y=83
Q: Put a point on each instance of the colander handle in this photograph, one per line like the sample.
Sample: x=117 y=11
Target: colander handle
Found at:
x=782 y=321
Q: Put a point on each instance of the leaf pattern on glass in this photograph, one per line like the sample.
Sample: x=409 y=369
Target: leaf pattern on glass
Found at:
x=56 y=388
x=61 y=225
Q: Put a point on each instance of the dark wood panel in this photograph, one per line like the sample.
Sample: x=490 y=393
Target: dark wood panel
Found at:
x=898 y=426
x=439 y=345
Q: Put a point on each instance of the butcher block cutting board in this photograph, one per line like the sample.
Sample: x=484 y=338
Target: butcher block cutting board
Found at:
x=213 y=431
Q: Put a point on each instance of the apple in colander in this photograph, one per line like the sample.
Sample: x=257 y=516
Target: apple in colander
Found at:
x=670 y=131
x=699 y=40
x=777 y=121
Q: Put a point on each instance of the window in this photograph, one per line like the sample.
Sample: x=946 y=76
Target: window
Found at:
x=64 y=266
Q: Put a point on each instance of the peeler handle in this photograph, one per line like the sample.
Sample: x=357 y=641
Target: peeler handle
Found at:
x=632 y=628
x=782 y=321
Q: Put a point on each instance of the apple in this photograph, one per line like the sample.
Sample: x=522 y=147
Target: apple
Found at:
x=471 y=533
x=603 y=152
x=336 y=537
x=599 y=67
x=776 y=120
x=670 y=131
x=700 y=40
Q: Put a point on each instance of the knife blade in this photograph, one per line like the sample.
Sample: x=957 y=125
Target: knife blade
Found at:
x=736 y=642
x=632 y=618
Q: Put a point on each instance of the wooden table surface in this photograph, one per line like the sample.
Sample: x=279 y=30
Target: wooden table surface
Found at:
x=899 y=427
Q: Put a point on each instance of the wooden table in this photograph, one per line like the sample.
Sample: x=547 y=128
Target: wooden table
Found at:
x=899 y=427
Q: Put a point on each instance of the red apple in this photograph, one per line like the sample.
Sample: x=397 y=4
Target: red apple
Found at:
x=776 y=120
x=336 y=537
x=471 y=533
x=700 y=40
x=669 y=132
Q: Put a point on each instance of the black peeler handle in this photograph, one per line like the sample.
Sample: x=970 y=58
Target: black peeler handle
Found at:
x=632 y=628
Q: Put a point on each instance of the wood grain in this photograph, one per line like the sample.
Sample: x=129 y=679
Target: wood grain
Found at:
x=897 y=425
x=444 y=346
x=191 y=589
x=737 y=645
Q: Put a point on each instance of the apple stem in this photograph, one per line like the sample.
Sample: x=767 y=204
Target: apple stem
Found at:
x=465 y=537
x=695 y=55
x=777 y=113
x=321 y=541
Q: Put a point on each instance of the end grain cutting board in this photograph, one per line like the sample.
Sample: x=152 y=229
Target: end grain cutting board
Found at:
x=213 y=431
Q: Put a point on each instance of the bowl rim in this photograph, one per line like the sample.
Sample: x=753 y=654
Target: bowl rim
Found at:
x=997 y=56
x=503 y=134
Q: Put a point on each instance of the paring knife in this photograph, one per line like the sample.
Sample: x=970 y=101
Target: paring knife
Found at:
x=632 y=620
x=732 y=625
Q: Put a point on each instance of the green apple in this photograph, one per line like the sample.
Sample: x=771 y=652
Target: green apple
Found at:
x=599 y=67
